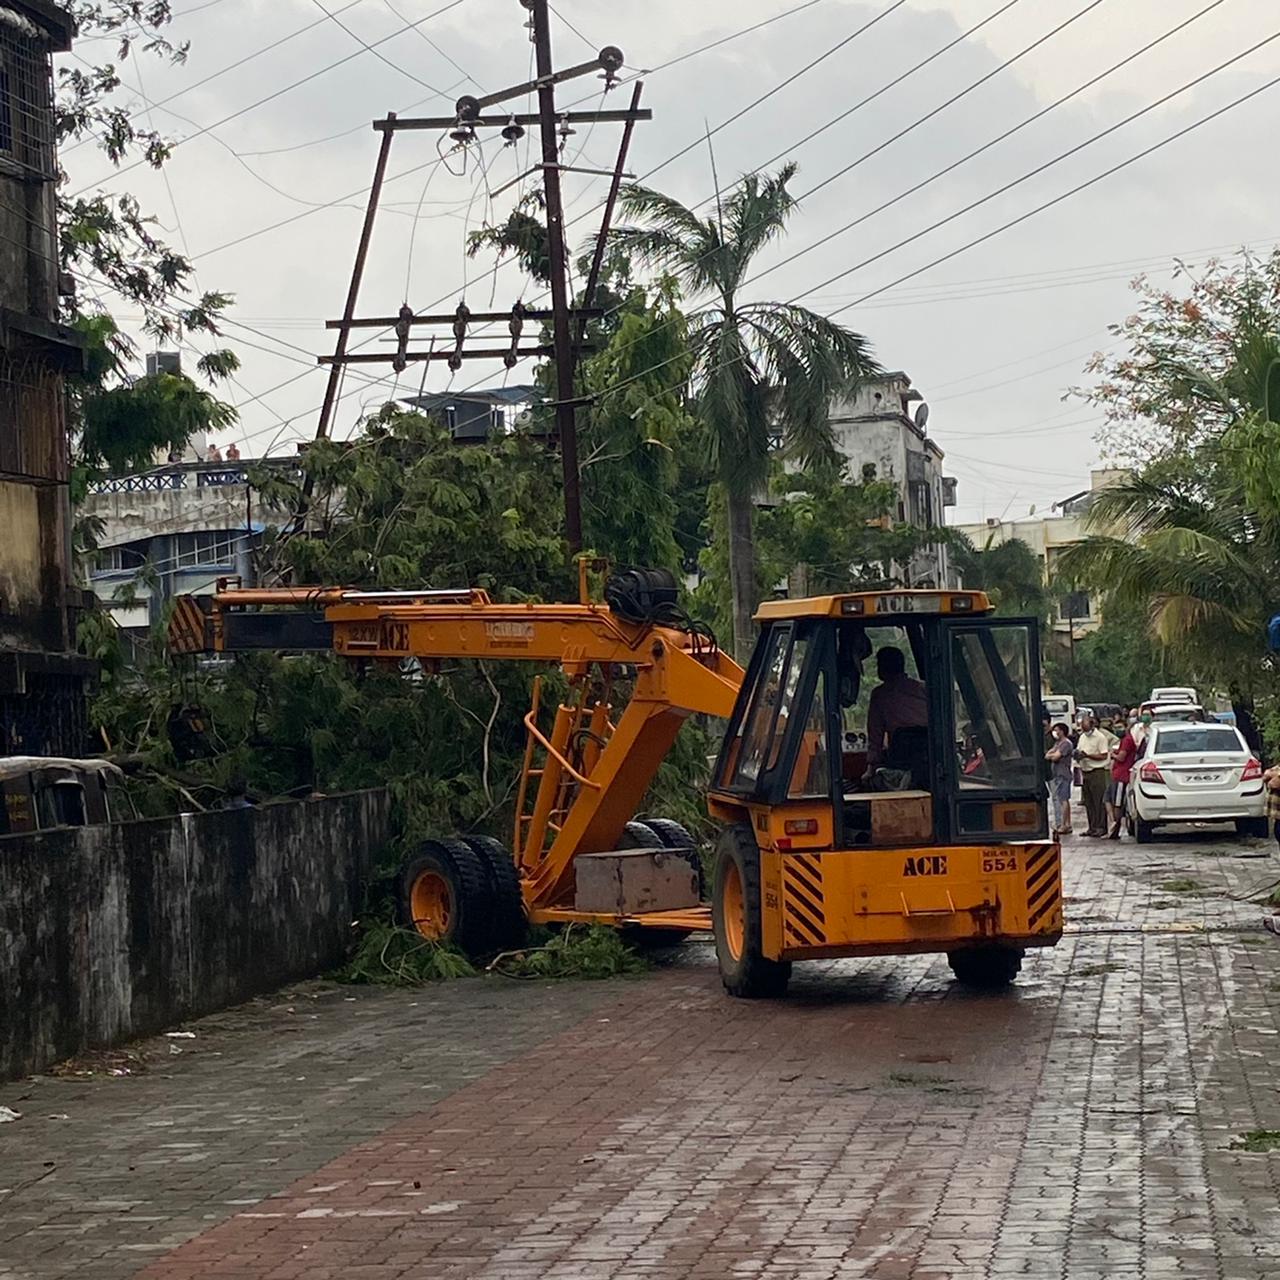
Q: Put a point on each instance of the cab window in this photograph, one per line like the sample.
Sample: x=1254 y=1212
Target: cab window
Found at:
x=811 y=776
x=994 y=709
x=756 y=733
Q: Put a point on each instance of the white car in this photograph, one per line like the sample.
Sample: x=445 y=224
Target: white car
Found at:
x=1196 y=773
x=1176 y=711
x=1173 y=694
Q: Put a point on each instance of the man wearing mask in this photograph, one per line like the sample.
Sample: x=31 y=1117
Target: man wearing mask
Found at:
x=1093 y=755
x=1122 y=762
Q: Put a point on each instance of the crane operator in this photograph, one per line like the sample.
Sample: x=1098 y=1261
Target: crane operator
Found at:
x=897 y=702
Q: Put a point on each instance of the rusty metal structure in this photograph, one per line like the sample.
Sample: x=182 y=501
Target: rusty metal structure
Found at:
x=42 y=679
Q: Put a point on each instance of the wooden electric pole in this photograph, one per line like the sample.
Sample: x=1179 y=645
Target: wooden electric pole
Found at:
x=566 y=418
x=553 y=127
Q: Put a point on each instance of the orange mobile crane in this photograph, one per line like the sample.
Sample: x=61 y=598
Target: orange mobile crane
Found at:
x=580 y=784
x=932 y=839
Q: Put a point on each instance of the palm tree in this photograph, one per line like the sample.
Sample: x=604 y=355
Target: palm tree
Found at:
x=759 y=368
x=1198 y=552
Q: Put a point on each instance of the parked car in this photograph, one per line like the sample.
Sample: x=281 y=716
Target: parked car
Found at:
x=1173 y=693
x=1174 y=711
x=1060 y=707
x=43 y=792
x=1189 y=772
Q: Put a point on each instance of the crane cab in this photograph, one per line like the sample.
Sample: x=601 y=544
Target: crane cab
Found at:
x=881 y=786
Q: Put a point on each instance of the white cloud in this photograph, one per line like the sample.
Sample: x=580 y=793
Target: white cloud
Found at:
x=974 y=328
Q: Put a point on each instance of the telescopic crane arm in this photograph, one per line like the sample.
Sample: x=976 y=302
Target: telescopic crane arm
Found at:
x=582 y=782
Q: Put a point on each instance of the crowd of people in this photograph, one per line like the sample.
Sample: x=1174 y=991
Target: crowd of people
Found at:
x=1099 y=759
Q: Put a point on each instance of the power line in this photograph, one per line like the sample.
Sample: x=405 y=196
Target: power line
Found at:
x=231 y=66
x=899 y=79
x=1088 y=84
x=777 y=88
x=382 y=57
x=979 y=202
x=1181 y=133
x=277 y=93
x=442 y=52
x=1048 y=204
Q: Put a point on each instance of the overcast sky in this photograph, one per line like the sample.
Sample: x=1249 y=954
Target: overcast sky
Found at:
x=992 y=338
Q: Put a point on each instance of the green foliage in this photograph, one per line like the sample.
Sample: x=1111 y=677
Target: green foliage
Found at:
x=1182 y=885
x=755 y=367
x=1257 y=1141
x=1119 y=662
x=833 y=532
x=387 y=955
x=1009 y=572
x=1192 y=539
x=841 y=530
x=591 y=951
x=403 y=506
x=523 y=235
x=1192 y=362
x=124 y=427
x=119 y=422
x=631 y=440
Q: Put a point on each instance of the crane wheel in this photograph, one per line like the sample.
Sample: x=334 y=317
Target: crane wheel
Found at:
x=508 y=925
x=986 y=968
x=647 y=835
x=444 y=896
x=736 y=919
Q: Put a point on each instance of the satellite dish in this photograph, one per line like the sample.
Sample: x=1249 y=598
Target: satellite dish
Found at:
x=922 y=416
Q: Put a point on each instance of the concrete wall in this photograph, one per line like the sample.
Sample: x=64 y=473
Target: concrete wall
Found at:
x=112 y=932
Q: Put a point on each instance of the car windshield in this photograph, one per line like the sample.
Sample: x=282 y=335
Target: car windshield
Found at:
x=1197 y=739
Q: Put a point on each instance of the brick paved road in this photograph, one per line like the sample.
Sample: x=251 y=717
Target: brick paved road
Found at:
x=879 y=1123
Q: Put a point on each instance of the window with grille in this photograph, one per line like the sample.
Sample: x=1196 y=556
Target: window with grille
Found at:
x=119 y=559
x=205 y=549
x=26 y=100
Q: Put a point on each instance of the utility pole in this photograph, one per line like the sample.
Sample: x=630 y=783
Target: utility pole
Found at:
x=566 y=418
x=567 y=322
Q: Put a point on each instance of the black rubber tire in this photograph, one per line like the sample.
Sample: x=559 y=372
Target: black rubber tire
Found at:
x=673 y=836
x=469 y=927
x=639 y=835
x=986 y=968
x=644 y=835
x=751 y=976
x=508 y=924
x=1143 y=832
x=1252 y=827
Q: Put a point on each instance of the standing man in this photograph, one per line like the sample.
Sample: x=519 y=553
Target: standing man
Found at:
x=1121 y=775
x=1093 y=754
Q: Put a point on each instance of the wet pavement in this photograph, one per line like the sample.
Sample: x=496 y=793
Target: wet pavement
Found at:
x=879 y=1122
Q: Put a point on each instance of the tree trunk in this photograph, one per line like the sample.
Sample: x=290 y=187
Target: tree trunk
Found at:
x=742 y=573
x=1242 y=705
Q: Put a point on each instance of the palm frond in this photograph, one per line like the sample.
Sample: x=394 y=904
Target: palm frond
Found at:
x=756 y=214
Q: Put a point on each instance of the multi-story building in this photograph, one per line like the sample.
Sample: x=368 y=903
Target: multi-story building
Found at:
x=175 y=530
x=42 y=678
x=877 y=432
x=1077 y=612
